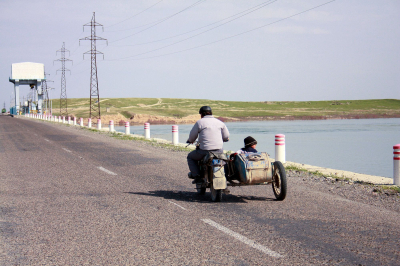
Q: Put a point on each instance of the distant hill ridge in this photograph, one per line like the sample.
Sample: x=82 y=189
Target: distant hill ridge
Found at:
x=169 y=110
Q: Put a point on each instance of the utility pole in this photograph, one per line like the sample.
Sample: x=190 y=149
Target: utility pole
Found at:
x=94 y=84
x=63 y=95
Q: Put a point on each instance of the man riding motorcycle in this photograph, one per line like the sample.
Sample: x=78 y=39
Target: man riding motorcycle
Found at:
x=211 y=133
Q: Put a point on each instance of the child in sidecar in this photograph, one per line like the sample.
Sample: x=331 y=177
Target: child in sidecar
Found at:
x=231 y=172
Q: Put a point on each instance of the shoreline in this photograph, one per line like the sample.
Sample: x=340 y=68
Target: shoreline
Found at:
x=342 y=174
x=166 y=120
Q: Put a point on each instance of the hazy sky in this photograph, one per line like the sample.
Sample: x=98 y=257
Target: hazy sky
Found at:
x=251 y=50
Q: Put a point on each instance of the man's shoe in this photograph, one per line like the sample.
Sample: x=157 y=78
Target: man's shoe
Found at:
x=190 y=175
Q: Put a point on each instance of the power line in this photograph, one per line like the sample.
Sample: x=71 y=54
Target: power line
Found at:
x=252 y=8
x=160 y=21
x=223 y=39
x=135 y=14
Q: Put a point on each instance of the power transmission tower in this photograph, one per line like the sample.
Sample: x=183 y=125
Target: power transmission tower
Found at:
x=94 y=84
x=63 y=95
x=46 y=98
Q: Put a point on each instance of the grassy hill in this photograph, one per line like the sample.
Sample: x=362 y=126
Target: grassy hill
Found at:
x=179 y=108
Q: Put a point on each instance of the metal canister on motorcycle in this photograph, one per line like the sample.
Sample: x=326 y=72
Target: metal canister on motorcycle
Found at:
x=217 y=162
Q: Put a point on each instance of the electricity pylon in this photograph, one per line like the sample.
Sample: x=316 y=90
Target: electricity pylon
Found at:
x=94 y=83
x=46 y=98
x=63 y=95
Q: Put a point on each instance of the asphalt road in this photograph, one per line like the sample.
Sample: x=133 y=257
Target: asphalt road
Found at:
x=70 y=196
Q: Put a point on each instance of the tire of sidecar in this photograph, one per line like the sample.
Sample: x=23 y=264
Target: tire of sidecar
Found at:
x=279 y=182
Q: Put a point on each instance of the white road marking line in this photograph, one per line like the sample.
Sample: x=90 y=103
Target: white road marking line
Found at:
x=107 y=171
x=243 y=239
x=177 y=205
x=46 y=140
x=66 y=150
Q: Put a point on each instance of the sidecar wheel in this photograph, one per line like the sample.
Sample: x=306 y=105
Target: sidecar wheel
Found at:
x=216 y=194
x=279 y=183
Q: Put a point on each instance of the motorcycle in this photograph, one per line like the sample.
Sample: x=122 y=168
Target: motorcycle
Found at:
x=219 y=170
x=213 y=175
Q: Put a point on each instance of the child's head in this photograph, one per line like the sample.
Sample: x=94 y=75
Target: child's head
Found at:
x=250 y=142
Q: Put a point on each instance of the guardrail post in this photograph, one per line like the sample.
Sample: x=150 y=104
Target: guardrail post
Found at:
x=74 y=123
x=89 y=123
x=63 y=119
x=396 y=165
x=99 y=124
x=127 y=128
x=111 y=124
x=175 y=135
x=147 y=130
x=81 y=122
x=280 y=148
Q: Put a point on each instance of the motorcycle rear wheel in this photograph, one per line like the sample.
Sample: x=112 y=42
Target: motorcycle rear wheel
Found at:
x=216 y=194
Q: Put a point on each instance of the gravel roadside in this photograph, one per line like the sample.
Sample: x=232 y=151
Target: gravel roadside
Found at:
x=366 y=193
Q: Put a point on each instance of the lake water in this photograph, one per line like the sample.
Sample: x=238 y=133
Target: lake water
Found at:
x=358 y=145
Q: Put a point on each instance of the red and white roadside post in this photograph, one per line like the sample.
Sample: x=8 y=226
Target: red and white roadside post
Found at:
x=63 y=119
x=81 y=122
x=396 y=165
x=111 y=125
x=175 y=135
x=69 y=120
x=147 y=130
x=99 y=124
x=74 y=123
x=280 y=148
x=89 y=122
x=127 y=128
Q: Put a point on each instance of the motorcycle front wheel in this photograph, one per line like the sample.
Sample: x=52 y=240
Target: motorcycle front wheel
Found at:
x=279 y=184
x=216 y=194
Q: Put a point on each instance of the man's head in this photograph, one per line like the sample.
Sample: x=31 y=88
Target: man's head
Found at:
x=205 y=110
